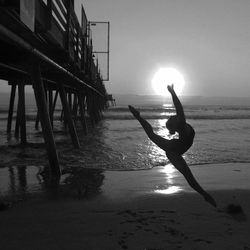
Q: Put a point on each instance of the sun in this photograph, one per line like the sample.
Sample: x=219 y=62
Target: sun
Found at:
x=167 y=76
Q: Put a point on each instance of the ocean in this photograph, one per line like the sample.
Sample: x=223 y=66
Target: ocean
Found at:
x=118 y=142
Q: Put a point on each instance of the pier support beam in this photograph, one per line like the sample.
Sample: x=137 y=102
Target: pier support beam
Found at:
x=11 y=107
x=90 y=109
x=21 y=108
x=75 y=108
x=68 y=116
x=39 y=92
x=37 y=121
x=50 y=102
x=17 y=126
x=82 y=113
x=54 y=103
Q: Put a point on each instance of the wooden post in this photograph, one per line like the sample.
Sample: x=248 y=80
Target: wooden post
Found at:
x=44 y=119
x=37 y=121
x=94 y=109
x=11 y=107
x=70 y=101
x=82 y=113
x=49 y=14
x=90 y=109
x=75 y=108
x=62 y=115
x=68 y=116
x=51 y=105
x=21 y=107
x=17 y=127
x=63 y=118
x=54 y=103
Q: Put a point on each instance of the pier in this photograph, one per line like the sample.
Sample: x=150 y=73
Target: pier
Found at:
x=43 y=45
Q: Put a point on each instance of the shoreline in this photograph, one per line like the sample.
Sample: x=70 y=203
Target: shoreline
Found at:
x=124 y=211
x=161 y=179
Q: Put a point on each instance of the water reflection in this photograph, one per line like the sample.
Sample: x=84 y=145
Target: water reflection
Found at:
x=170 y=176
x=170 y=190
x=169 y=110
x=20 y=182
x=85 y=182
x=167 y=105
x=167 y=114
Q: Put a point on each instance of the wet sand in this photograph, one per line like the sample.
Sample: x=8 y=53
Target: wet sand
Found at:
x=151 y=209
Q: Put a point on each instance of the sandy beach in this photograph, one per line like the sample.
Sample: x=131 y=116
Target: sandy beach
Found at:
x=98 y=99
x=147 y=209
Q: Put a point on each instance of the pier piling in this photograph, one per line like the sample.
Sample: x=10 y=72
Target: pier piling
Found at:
x=11 y=107
x=82 y=113
x=39 y=92
x=21 y=108
x=68 y=116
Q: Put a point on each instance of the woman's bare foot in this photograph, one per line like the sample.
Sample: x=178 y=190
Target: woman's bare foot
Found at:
x=135 y=112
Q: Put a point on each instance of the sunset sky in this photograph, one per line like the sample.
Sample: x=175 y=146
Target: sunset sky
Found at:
x=207 y=41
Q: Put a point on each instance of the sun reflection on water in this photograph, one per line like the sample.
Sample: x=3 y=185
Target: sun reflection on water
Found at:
x=170 y=190
x=170 y=187
x=167 y=105
x=169 y=110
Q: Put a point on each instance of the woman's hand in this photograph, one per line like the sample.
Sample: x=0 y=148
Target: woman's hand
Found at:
x=171 y=88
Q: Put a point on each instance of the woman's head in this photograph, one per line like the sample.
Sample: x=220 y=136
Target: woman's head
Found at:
x=173 y=124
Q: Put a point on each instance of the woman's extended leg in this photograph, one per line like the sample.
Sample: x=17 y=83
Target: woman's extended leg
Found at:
x=146 y=126
x=158 y=140
x=181 y=165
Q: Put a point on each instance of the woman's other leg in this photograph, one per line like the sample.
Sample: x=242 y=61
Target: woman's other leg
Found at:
x=181 y=165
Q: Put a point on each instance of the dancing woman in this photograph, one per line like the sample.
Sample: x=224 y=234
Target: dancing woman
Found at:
x=175 y=148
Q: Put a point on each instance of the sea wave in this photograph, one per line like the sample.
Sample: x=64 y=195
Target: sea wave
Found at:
x=186 y=107
x=188 y=116
x=119 y=142
x=198 y=112
x=194 y=112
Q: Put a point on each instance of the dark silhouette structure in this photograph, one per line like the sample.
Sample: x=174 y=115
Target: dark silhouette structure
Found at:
x=42 y=44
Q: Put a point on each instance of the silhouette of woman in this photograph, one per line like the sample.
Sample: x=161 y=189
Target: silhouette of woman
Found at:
x=175 y=148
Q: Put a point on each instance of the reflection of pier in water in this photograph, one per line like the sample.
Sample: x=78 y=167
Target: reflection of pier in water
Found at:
x=22 y=182
x=43 y=45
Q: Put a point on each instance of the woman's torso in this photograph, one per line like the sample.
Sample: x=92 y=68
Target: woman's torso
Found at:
x=186 y=138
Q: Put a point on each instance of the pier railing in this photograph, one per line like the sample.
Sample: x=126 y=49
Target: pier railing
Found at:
x=53 y=29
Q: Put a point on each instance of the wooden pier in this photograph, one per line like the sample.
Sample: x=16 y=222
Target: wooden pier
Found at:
x=43 y=45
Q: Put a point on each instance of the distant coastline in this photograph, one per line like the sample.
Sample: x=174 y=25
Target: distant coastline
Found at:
x=144 y=100
x=148 y=100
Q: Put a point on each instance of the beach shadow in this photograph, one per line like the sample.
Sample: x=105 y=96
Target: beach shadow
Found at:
x=85 y=183
x=75 y=182
x=20 y=183
x=235 y=211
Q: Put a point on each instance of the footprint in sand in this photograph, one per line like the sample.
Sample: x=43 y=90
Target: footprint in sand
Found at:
x=202 y=240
